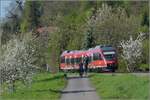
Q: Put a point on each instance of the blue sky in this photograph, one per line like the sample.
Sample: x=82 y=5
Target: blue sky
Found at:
x=3 y=5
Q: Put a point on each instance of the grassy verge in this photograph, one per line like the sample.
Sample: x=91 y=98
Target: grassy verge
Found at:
x=122 y=86
x=45 y=86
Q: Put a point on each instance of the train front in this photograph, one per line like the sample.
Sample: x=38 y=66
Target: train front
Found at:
x=110 y=58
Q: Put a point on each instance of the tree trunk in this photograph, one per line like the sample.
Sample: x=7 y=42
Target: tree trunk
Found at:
x=128 y=67
x=11 y=87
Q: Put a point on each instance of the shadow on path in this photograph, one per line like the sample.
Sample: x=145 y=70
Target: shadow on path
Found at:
x=64 y=92
x=49 y=79
x=77 y=77
x=78 y=91
x=48 y=90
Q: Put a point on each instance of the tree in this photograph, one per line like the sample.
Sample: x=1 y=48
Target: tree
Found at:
x=69 y=35
x=132 y=51
x=112 y=26
x=31 y=17
x=145 y=18
x=11 y=23
x=89 y=39
x=17 y=61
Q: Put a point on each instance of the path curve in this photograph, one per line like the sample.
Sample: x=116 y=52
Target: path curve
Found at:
x=79 y=89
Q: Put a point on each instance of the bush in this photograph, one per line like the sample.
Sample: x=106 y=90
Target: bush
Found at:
x=17 y=61
x=132 y=52
x=121 y=65
x=144 y=67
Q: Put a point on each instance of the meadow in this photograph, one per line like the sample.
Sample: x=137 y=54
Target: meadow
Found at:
x=121 y=86
x=45 y=86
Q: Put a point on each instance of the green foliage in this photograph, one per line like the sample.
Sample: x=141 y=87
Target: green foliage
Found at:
x=145 y=16
x=68 y=37
x=145 y=51
x=9 y=29
x=121 y=86
x=89 y=39
x=54 y=49
x=111 y=27
x=144 y=67
x=24 y=26
x=114 y=3
x=144 y=29
x=121 y=65
x=32 y=14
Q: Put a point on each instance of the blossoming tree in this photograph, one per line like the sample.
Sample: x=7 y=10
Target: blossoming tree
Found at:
x=132 y=51
x=17 y=61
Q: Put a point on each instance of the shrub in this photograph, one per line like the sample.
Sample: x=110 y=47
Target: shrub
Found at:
x=17 y=61
x=132 y=52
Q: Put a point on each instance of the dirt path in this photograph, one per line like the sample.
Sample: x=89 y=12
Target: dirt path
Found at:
x=79 y=89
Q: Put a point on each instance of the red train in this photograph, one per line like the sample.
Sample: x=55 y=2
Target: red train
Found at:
x=101 y=58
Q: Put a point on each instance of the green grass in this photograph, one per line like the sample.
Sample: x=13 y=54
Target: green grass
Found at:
x=121 y=86
x=45 y=86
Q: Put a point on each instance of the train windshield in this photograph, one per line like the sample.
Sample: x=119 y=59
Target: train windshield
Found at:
x=109 y=55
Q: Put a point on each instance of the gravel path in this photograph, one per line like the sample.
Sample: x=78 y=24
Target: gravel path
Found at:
x=79 y=89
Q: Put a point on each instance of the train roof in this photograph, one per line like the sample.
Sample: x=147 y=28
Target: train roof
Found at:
x=86 y=52
x=71 y=53
x=107 y=48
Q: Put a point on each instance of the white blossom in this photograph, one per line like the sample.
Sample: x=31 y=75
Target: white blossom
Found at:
x=132 y=51
x=17 y=61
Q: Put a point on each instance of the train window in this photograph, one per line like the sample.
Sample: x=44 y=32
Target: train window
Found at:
x=78 y=60
x=67 y=61
x=109 y=56
x=72 y=60
x=90 y=59
x=75 y=60
x=62 y=59
x=96 y=56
